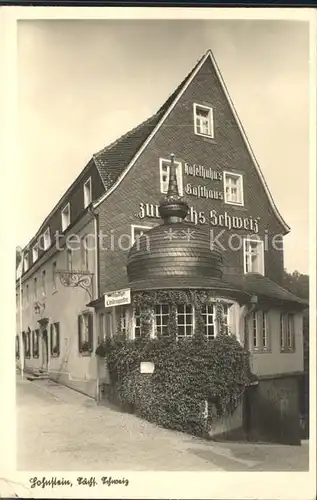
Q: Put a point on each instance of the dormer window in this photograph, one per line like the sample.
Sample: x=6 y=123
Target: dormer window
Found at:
x=203 y=120
x=87 y=193
x=35 y=252
x=26 y=262
x=47 y=239
x=66 y=217
x=164 y=175
x=233 y=188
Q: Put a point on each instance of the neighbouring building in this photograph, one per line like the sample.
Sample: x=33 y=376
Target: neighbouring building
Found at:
x=78 y=259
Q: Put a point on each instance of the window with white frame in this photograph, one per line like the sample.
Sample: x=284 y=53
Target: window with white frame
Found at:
x=287 y=332
x=87 y=192
x=185 y=320
x=35 y=252
x=259 y=330
x=253 y=256
x=233 y=188
x=65 y=217
x=138 y=231
x=26 y=262
x=164 y=175
x=47 y=238
x=212 y=325
x=123 y=320
x=203 y=120
x=137 y=322
x=161 y=315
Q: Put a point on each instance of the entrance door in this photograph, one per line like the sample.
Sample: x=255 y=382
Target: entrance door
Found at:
x=45 y=349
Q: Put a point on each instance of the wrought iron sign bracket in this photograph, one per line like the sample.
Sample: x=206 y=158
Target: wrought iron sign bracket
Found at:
x=76 y=279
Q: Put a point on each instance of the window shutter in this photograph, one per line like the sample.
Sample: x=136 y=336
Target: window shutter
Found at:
x=57 y=338
x=90 y=331
x=79 y=332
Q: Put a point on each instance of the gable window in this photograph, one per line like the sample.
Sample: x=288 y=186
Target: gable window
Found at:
x=55 y=339
x=35 y=343
x=233 y=188
x=85 y=333
x=287 y=332
x=185 y=320
x=65 y=217
x=164 y=175
x=253 y=256
x=203 y=120
x=259 y=331
x=26 y=261
x=87 y=193
x=35 y=252
x=47 y=239
x=161 y=317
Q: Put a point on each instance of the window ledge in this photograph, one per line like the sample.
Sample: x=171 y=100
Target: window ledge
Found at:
x=261 y=350
x=287 y=351
x=85 y=353
x=234 y=204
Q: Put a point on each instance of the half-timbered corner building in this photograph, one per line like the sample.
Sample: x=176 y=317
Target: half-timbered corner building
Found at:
x=80 y=272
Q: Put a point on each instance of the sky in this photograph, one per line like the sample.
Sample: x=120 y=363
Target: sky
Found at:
x=82 y=84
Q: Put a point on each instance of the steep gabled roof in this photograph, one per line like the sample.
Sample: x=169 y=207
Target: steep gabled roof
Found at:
x=112 y=160
x=116 y=160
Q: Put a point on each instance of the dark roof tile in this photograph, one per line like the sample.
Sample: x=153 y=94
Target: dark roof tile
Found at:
x=112 y=160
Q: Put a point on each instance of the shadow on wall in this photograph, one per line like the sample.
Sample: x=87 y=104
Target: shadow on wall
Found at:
x=274 y=412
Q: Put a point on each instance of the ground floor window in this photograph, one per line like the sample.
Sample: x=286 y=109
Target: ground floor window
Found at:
x=55 y=339
x=27 y=343
x=35 y=343
x=161 y=316
x=185 y=320
x=259 y=330
x=137 y=323
x=287 y=332
x=85 y=333
x=211 y=321
x=17 y=347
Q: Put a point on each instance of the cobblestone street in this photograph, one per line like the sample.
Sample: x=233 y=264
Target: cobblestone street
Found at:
x=60 y=429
